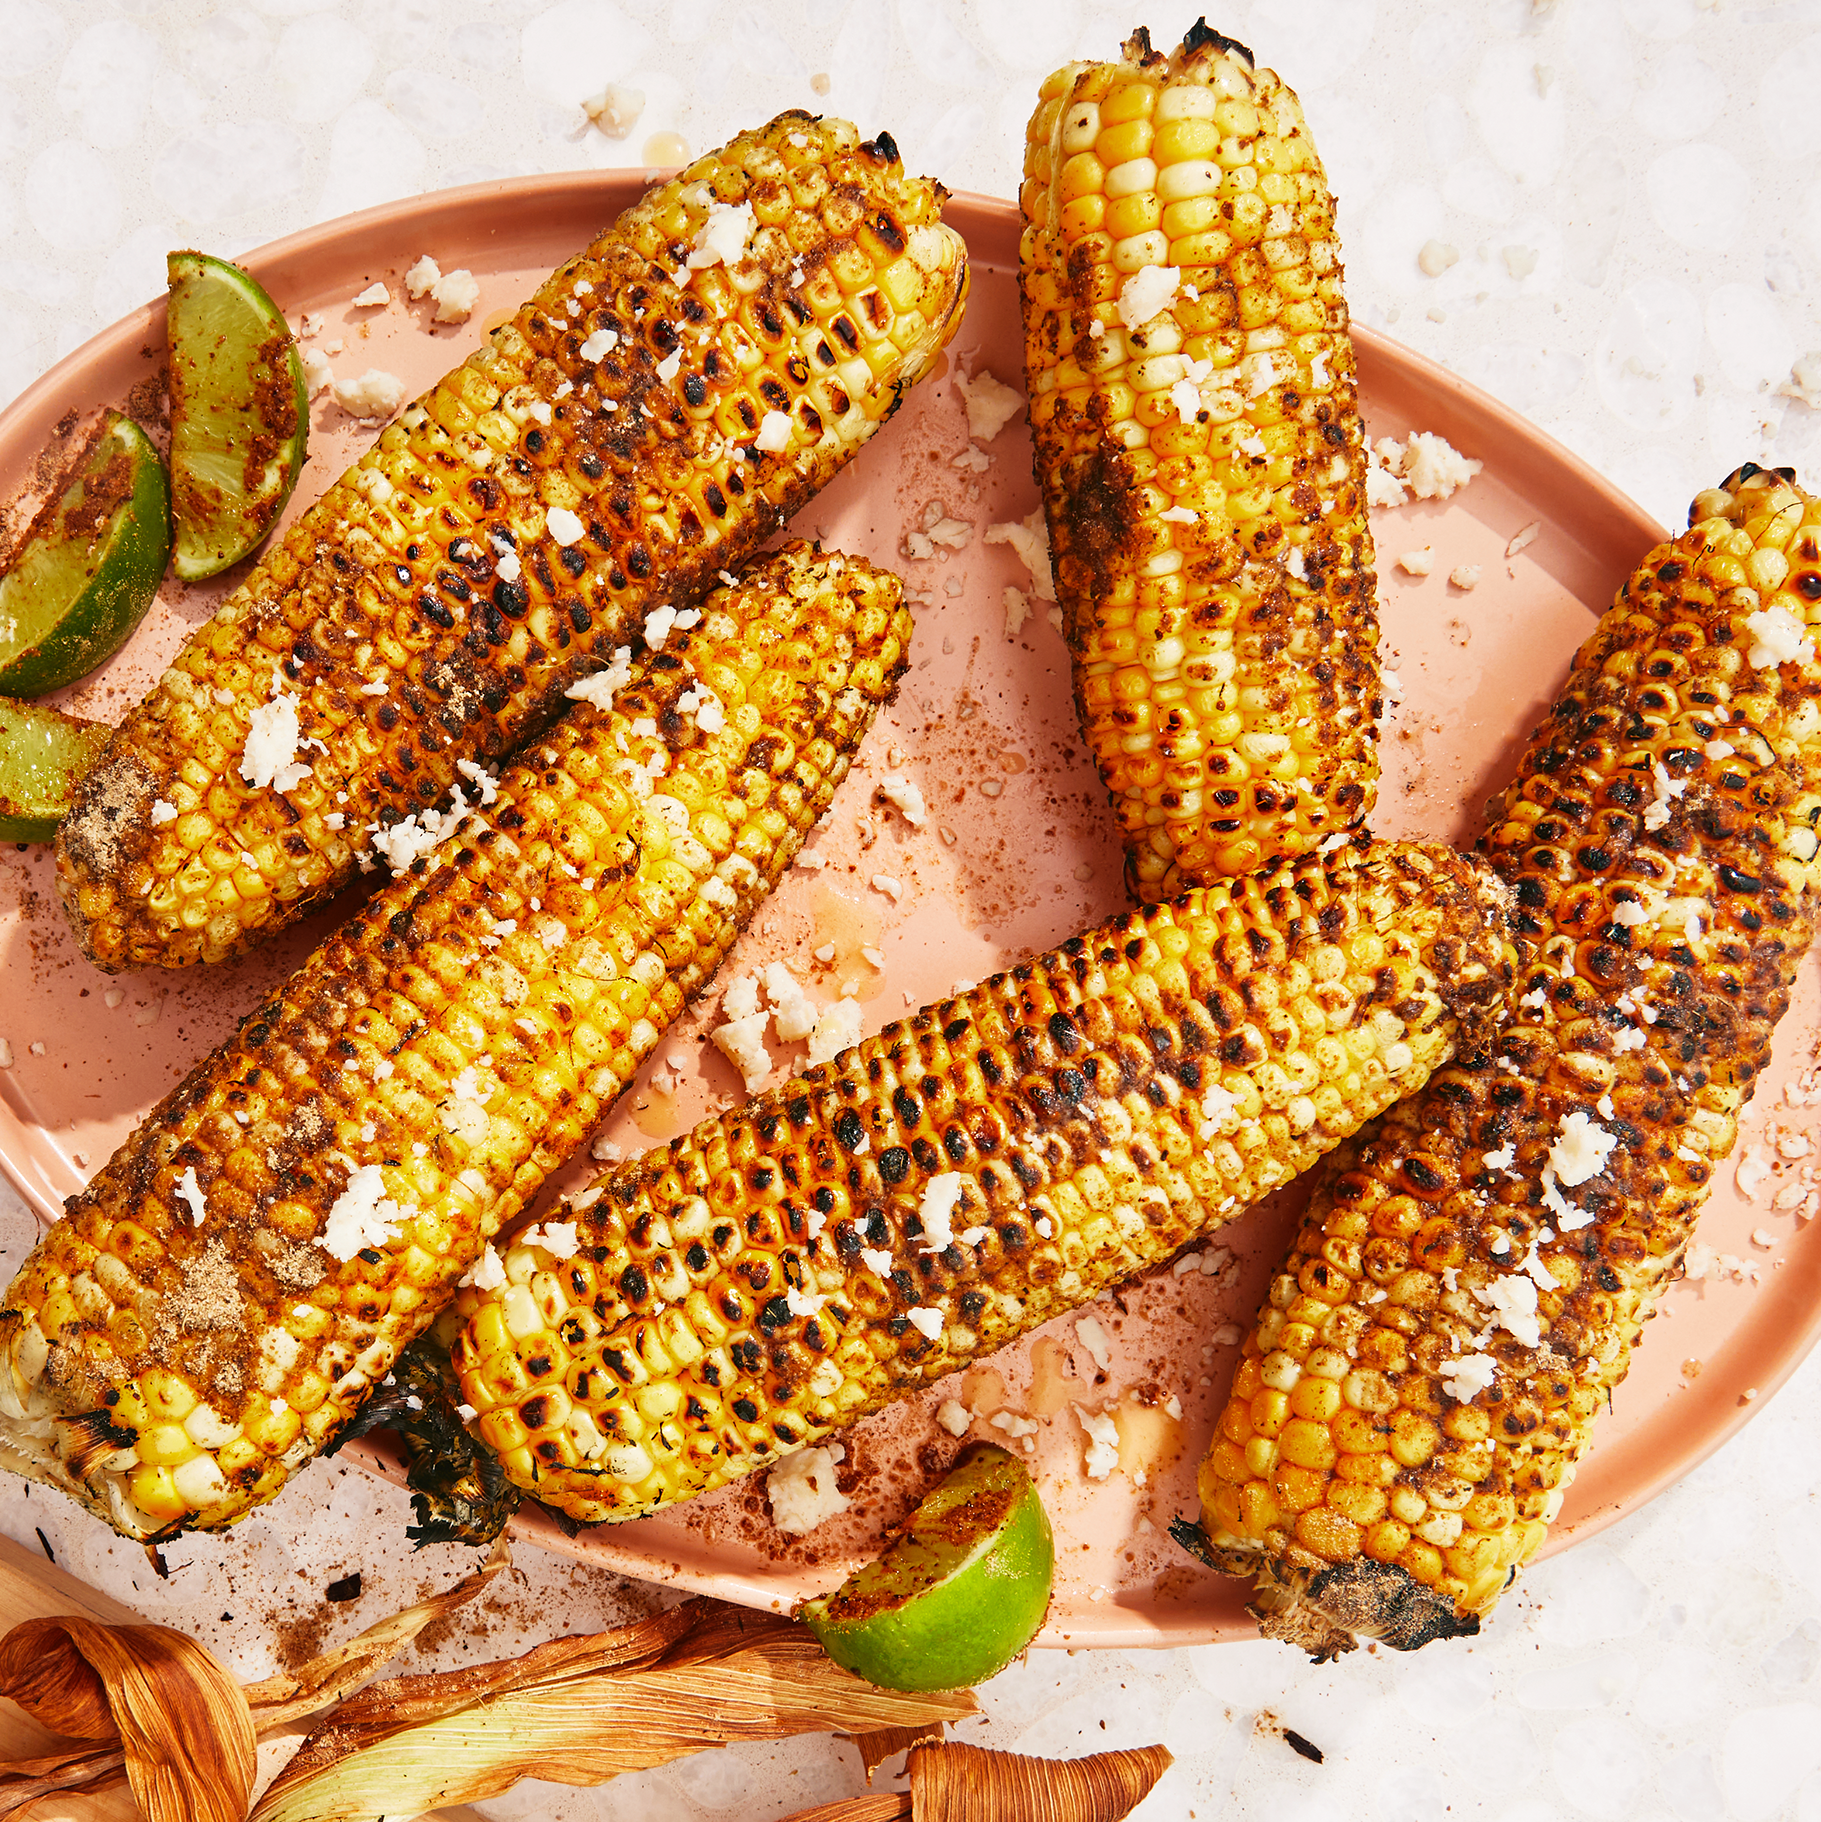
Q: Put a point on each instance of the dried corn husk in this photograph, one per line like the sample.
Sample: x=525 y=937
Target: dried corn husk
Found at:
x=950 y=1782
x=875 y=1748
x=582 y=1710
x=325 y=1679
x=177 y=1720
x=956 y=1783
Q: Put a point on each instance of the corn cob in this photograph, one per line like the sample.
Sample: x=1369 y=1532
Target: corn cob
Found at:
x=643 y=422
x=967 y=1174
x=215 y=1305
x=1201 y=455
x=1474 y=1270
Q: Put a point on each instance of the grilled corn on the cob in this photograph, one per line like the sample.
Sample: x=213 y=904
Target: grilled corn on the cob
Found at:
x=969 y=1173
x=1201 y=456
x=1473 y=1272
x=667 y=398
x=217 y=1302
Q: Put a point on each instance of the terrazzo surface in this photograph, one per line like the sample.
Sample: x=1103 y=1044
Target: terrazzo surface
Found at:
x=1620 y=202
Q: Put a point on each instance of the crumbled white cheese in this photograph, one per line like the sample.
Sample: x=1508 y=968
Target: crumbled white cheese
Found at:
x=1146 y=292
x=927 y=1322
x=508 y=568
x=1524 y=537
x=904 y=795
x=1418 y=562
x=774 y=432
x=877 y=1260
x=422 y=277
x=1102 y=1455
x=162 y=812
x=660 y=622
x=1580 y=1150
x=792 y=1008
x=456 y=293
x=563 y=526
x=1467 y=1377
x=318 y=374
x=991 y=404
x=190 y=1191
x=1218 y=1107
x=1012 y=1424
x=802 y=1303
x=362 y=1215
x=1435 y=257
x=616 y=109
x=600 y=687
x=669 y=367
x=1093 y=1336
x=1656 y=813
x=741 y=1039
x=722 y=239
x=1513 y=1302
x=374 y=394
x=1502 y=1159
x=1464 y=576
x=888 y=885
x=837 y=1029
x=941 y=1197
x=954 y=1416
x=372 y=298
x=1778 y=637
x=803 y=1491
x=487 y=1273
x=1030 y=542
x=270 y=758
x=601 y=343
x=1183 y=515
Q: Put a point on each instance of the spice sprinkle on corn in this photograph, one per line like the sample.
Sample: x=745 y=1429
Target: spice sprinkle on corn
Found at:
x=969 y=1173
x=215 y=1305
x=1202 y=457
x=650 y=417
x=1474 y=1270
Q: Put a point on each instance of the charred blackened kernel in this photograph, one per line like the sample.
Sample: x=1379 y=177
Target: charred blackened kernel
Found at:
x=771 y=390
x=1688 y=758
x=843 y=327
x=746 y=1410
x=927 y=1156
x=591 y=464
x=635 y=1287
x=1735 y=881
x=386 y=714
x=848 y=1131
x=954 y=1031
x=511 y=598
x=638 y=560
x=534 y=440
x=695 y=389
x=954 y=1142
x=492 y=624
x=894 y=1164
x=825 y=354
x=616 y=577
x=452 y=584
x=774 y=1314
x=572 y=559
x=434 y=611
x=1063 y=1033
x=715 y=499
x=579 y=617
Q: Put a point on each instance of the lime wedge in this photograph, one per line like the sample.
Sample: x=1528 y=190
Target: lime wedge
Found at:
x=89 y=566
x=43 y=755
x=239 y=414
x=957 y=1593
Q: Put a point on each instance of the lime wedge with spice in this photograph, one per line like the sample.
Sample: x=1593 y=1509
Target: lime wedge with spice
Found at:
x=43 y=754
x=239 y=415
x=89 y=565
x=957 y=1593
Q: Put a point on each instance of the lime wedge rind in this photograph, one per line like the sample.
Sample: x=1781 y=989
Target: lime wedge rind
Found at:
x=43 y=755
x=239 y=413
x=90 y=567
x=958 y=1594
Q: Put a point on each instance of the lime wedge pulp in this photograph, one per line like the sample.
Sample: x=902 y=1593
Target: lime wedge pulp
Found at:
x=239 y=413
x=43 y=754
x=957 y=1593
x=89 y=565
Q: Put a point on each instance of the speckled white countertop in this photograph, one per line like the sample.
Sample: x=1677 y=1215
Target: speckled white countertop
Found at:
x=1630 y=190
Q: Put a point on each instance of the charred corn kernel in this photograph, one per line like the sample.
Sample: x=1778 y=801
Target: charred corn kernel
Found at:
x=1516 y=1221
x=601 y=458
x=1201 y=455
x=303 y=1203
x=969 y=1173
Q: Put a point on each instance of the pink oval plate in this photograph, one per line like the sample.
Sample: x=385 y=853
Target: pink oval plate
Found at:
x=1017 y=854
